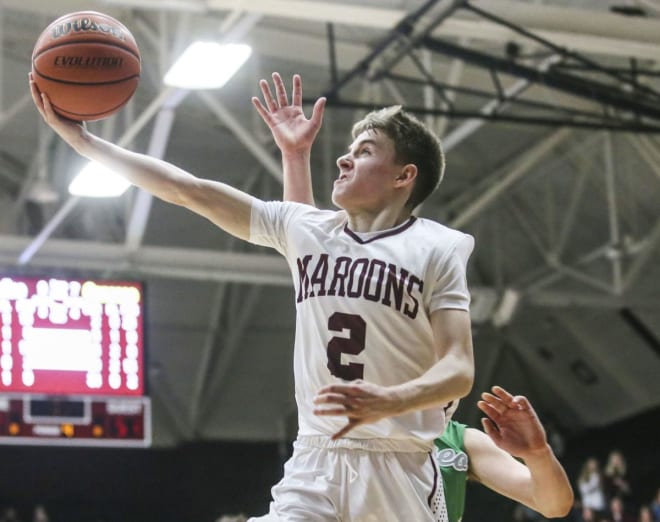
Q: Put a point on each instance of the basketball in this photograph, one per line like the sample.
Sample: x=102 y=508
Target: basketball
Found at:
x=88 y=64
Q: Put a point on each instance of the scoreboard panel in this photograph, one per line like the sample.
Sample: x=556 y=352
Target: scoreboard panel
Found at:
x=71 y=337
x=72 y=363
x=75 y=421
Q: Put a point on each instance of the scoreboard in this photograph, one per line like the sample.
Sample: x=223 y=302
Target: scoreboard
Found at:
x=72 y=362
x=75 y=421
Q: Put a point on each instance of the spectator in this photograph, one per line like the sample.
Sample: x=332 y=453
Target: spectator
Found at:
x=39 y=514
x=645 y=514
x=618 y=511
x=616 y=481
x=9 y=514
x=587 y=515
x=590 y=485
x=232 y=518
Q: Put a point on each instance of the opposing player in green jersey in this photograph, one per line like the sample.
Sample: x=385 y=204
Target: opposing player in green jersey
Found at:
x=512 y=457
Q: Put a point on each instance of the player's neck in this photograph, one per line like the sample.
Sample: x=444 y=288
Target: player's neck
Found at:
x=385 y=219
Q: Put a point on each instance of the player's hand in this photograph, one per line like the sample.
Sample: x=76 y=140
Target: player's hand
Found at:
x=292 y=131
x=359 y=401
x=512 y=423
x=69 y=130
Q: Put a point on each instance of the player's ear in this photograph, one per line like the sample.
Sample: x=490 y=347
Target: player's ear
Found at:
x=407 y=175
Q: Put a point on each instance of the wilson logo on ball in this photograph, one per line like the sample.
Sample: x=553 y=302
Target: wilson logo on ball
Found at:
x=83 y=25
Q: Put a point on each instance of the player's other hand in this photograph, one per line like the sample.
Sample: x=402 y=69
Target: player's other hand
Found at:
x=512 y=423
x=359 y=401
x=292 y=131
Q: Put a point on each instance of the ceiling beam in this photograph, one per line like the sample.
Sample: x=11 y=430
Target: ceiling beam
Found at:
x=641 y=103
x=586 y=30
x=175 y=263
x=512 y=175
x=573 y=299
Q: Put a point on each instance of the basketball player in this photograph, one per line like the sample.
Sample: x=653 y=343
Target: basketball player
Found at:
x=512 y=428
x=383 y=338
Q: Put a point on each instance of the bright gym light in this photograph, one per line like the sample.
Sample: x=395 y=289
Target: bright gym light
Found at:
x=97 y=181
x=207 y=65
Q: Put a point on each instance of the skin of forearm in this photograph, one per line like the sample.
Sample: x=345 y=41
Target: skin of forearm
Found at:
x=153 y=175
x=297 y=182
x=449 y=379
x=545 y=469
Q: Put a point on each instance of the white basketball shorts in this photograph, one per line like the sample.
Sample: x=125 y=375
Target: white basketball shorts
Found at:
x=327 y=481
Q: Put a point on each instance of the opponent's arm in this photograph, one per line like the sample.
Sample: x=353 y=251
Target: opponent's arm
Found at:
x=293 y=133
x=225 y=206
x=449 y=379
x=514 y=430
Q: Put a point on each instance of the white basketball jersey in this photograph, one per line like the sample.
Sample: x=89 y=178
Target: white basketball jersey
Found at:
x=363 y=305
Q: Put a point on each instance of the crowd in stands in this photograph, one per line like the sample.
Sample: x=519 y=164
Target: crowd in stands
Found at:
x=605 y=493
x=11 y=514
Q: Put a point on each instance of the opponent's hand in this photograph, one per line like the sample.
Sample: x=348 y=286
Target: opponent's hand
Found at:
x=69 y=130
x=361 y=402
x=292 y=131
x=512 y=423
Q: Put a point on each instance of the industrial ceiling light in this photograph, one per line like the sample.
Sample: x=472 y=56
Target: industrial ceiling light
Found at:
x=207 y=65
x=97 y=181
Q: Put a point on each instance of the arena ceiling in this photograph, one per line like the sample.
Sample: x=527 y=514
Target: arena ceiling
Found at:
x=550 y=118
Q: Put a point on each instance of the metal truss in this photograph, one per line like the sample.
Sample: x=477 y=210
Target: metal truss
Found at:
x=617 y=98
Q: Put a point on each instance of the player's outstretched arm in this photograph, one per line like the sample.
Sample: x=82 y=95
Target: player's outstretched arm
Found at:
x=512 y=429
x=293 y=133
x=225 y=206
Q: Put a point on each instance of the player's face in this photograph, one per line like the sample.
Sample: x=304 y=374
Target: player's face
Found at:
x=366 y=173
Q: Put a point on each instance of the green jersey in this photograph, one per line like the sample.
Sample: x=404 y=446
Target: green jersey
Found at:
x=453 y=463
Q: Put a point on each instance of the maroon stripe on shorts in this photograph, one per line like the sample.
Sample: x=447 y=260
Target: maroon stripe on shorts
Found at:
x=435 y=479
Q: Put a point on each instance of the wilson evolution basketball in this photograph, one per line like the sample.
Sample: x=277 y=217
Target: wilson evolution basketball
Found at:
x=88 y=64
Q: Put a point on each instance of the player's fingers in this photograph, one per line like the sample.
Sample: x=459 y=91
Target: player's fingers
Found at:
x=521 y=402
x=268 y=96
x=48 y=108
x=38 y=101
x=317 y=112
x=351 y=424
x=344 y=389
x=331 y=398
x=263 y=112
x=296 y=92
x=502 y=394
x=488 y=409
x=493 y=401
x=280 y=90
x=490 y=428
x=331 y=411
x=36 y=95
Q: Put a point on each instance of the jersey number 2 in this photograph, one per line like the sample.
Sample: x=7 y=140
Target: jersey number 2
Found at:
x=353 y=345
